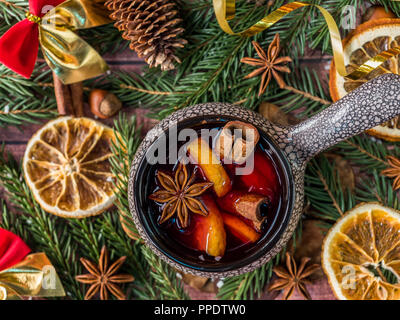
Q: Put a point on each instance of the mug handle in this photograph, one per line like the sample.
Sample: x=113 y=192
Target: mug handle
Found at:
x=367 y=106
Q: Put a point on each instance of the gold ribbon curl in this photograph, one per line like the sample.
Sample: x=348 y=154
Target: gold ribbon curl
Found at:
x=68 y=55
x=225 y=11
x=33 y=276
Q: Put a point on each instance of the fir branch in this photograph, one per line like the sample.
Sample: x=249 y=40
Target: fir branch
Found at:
x=12 y=11
x=84 y=234
x=9 y=221
x=21 y=111
x=45 y=111
x=324 y=192
x=105 y=39
x=318 y=32
x=139 y=90
x=12 y=4
x=158 y=93
x=128 y=138
x=25 y=100
x=124 y=149
x=294 y=35
x=252 y=284
x=364 y=151
x=248 y=285
x=367 y=152
x=330 y=194
x=45 y=234
x=41 y=84
x=167 y=282
x=304 y=92
x=121 y=245
x=210 y=78
x=307 y=95
x=380 y=189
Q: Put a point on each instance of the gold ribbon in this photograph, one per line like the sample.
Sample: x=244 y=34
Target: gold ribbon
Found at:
x=225 y=11
x=33 y=276
x=68 y=55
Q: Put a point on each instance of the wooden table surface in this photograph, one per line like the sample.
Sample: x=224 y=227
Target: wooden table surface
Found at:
x=15 y=139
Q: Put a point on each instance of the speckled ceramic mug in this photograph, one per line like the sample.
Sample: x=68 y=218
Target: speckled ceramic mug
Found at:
x=368 y=106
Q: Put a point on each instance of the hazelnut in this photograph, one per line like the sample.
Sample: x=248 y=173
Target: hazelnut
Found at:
x=104 y=104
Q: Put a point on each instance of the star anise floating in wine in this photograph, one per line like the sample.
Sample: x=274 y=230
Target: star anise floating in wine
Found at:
x=393 y=171
x=270 y=64
x=293 y=278
x=179 y=193
x=103 y=278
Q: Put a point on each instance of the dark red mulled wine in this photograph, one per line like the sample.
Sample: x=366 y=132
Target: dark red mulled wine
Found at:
x=205 y=209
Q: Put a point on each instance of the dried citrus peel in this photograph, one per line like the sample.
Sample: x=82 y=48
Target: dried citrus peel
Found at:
x=66 y=166
x=367 y=40
x=360 y=250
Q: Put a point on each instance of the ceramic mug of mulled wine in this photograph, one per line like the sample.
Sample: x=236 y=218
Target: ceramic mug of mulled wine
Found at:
x=226 y=241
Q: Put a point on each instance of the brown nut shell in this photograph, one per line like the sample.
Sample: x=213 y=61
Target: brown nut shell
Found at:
x=104 y=104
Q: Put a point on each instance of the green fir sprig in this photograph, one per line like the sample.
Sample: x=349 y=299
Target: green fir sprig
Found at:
x=168 y=284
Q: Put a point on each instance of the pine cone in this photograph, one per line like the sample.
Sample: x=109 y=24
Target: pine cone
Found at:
x=151 y=27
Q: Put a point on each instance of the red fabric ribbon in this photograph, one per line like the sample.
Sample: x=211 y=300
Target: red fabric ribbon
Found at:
x=12 y=249
x=20 y=44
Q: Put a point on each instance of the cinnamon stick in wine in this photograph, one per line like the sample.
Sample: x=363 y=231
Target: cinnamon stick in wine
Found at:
x=247 y=205
x=237 y=141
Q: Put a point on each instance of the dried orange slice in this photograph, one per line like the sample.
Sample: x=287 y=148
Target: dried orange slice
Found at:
x=369 y=39
x=361 y=254
x=66 y=166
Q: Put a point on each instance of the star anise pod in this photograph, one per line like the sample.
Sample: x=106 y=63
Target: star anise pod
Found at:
x=180 y=194
x=393 y=171
x=103 y=278
x=293 y=278
x=269 y=64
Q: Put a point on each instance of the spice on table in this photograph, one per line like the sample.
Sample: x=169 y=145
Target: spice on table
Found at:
x=293 y=277
x=69 y=97
x=104 y=104
x=103 y=278
x=393 y=171
x=269 y=65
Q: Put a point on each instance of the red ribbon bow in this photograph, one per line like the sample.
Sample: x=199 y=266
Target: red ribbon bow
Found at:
x=20 y=44
x=12 y=249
